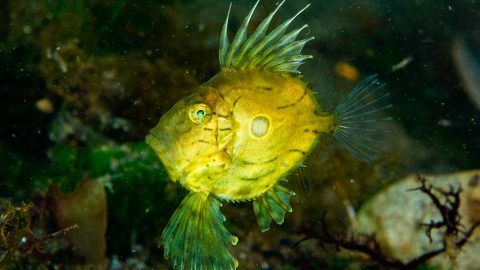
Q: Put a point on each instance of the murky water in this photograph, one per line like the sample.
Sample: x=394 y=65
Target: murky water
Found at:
x=82 y=83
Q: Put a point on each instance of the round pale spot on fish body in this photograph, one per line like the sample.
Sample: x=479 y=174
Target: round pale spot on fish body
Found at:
x=259 y=126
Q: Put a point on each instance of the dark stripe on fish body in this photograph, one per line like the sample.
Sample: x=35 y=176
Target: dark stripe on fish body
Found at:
x=298 y=151
x=221 y=96
x=208 y=129
x=295 y=103
x=201 y=141
x=314 y=131
x=189 y=130
x=223 y=116
x=225 y=129
x=260 y=162
x=235 y=102
x=258 y=177
x=265 y=88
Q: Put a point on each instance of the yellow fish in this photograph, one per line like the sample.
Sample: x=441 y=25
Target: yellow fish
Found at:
x=243 y=131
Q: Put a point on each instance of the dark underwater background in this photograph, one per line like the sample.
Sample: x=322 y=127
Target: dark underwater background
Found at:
x=82 y=82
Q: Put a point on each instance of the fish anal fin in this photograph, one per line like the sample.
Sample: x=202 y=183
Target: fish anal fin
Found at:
x=273 y=204
x=195 y=237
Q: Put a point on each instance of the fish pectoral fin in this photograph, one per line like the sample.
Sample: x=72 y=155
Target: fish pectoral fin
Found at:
x=195 y=237
x=273 y=204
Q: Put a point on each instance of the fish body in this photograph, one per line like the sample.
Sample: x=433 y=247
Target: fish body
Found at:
x=239 y=134
x=262 y=124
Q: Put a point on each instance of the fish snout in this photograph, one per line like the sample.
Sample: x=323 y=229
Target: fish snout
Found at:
x=156 y=142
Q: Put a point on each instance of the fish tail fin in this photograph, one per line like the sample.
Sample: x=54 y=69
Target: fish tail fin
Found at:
x=273 y=204
x=359 y=119
x=195 y=237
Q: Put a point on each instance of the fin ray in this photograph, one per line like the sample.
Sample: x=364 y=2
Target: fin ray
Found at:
x=275 y=51
x=196 y=225
x=268 y=42
x=273 y=204
x=239 y=38
x=258 y=34
x=290 y=53
x=222 y=52
x=359 y=118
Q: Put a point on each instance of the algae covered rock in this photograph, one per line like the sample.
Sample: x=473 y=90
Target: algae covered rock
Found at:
x=398 y=216
x=114 y=94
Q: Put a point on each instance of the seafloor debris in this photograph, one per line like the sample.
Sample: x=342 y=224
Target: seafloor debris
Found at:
x=14 y=225
x=21 y=238
x=86 y=208
x=346 y=71
x=468 y=67
x=402 y=64
x=420 y=220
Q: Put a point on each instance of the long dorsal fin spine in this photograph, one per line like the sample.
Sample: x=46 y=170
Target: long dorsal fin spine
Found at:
x=290 y=53
x=257 y=35
x=289 y=38
x=240 y=37
x=287 y=66
x=270 y=39
x=262 y=50
x=222 y=52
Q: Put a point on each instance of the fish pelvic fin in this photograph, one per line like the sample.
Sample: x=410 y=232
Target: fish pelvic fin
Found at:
x=359 y=120
x=276 y=51
x=195 y=237
x=273 y=204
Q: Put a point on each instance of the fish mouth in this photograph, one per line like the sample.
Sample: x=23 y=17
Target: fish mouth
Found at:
x=155 y=142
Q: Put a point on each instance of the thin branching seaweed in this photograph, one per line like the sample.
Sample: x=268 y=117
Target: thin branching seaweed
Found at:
x=454 y=234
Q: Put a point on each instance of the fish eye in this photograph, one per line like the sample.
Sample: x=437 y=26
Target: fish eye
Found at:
x=199 y=113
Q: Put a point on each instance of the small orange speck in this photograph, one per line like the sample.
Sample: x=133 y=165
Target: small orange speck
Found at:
x=346 y=71
x=44 y=105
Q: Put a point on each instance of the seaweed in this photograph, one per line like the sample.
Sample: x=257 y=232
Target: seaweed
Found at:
x=14 y=225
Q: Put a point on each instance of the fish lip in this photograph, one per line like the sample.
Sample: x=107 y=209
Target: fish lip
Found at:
x=156 y=143
x=153 y=135
x=151 y=139
x=165 y=160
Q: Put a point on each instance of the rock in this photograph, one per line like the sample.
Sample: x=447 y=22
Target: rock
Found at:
x=395 y=216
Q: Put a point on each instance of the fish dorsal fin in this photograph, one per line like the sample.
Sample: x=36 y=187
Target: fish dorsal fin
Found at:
x=276 y=51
